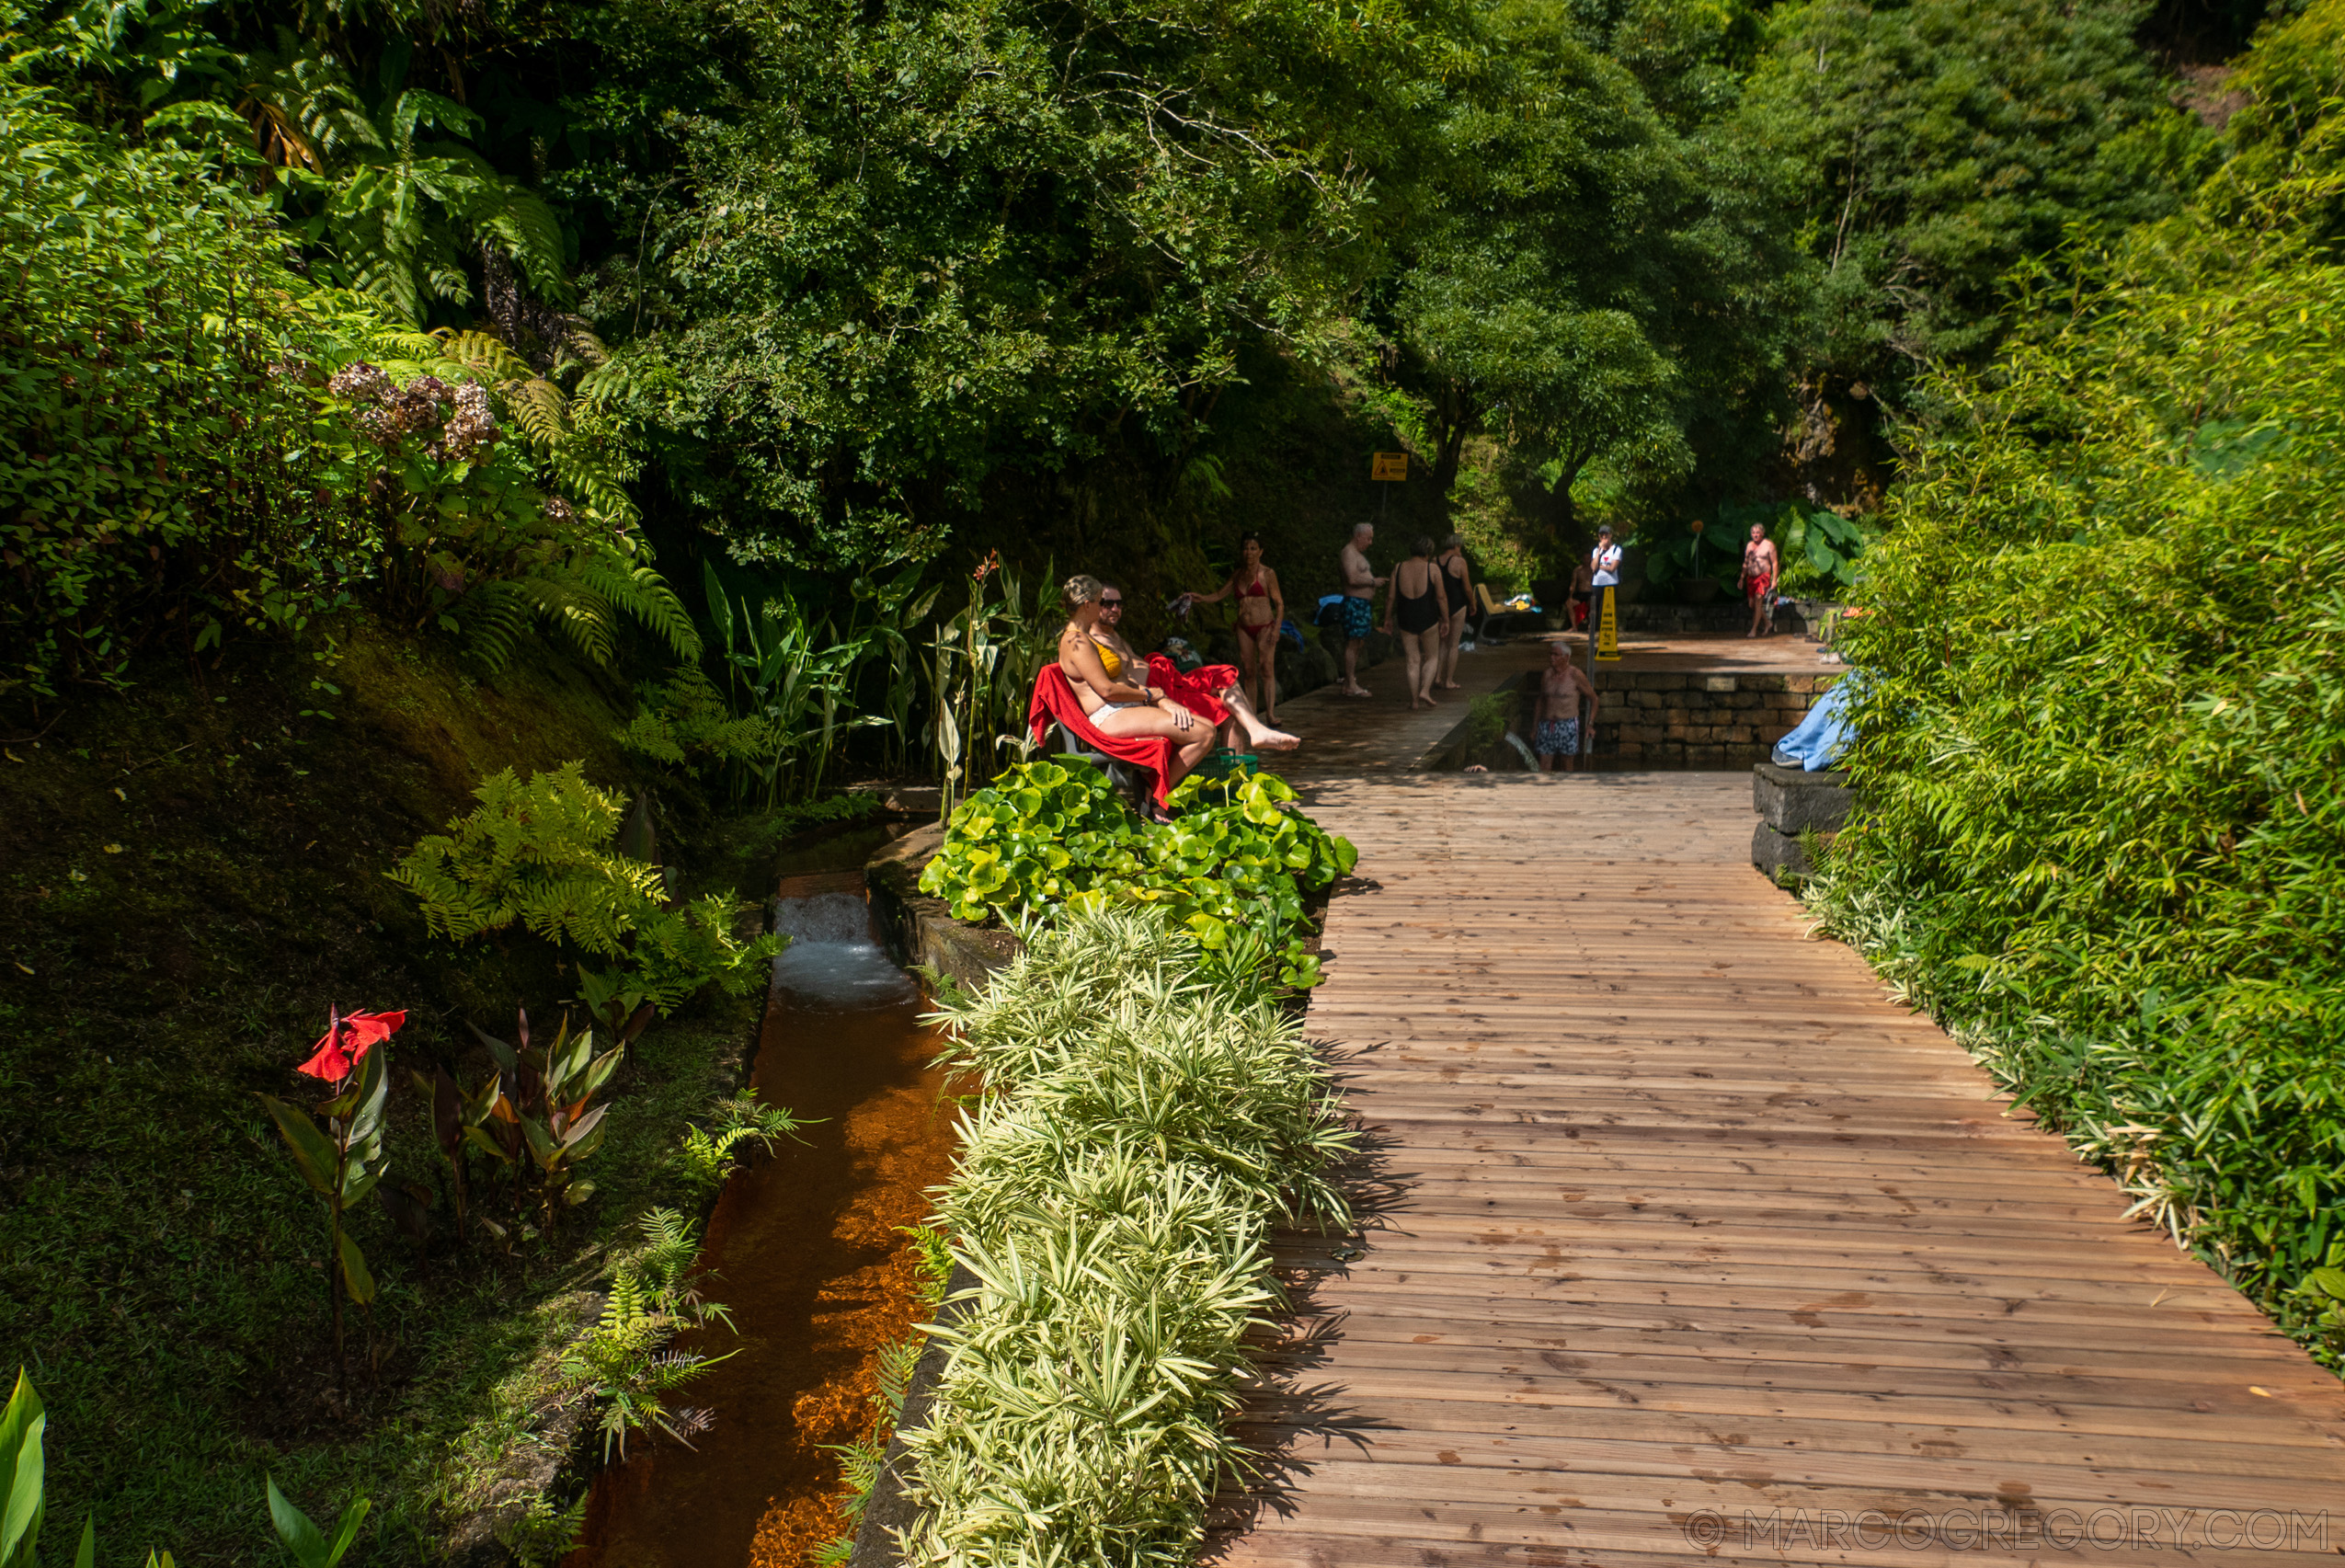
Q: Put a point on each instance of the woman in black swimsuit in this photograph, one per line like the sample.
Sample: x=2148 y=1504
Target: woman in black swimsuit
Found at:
x=1417 y=613
x=1457 y=581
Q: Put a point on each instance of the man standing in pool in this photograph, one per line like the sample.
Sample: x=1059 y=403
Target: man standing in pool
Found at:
x=1360 y=583
x=1556 y=723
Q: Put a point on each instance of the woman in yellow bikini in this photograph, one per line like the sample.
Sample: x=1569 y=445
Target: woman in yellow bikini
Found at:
x=1213 y=691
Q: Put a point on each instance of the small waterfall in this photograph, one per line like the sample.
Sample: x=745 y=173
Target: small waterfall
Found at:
x=832 y=964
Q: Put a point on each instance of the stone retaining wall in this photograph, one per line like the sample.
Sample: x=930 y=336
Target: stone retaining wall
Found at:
x=1693 y=719
x=1731 y=617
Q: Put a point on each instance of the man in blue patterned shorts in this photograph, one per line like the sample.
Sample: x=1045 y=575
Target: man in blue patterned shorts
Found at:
x=1360 y=583
x=1555 y=728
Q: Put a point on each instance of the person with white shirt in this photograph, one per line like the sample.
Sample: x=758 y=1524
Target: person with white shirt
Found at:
x=1604 y=567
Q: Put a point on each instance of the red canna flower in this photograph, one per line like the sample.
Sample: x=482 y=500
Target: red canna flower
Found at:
x=348 y=1037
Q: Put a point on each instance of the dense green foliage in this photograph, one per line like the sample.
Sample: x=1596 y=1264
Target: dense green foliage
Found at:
x=2104 y=720
x=1946 y=140
x=1149 y=1117
x=836 y=285
x=1605 y=283
x=960 y=239
x=161 y=458
x=823 y=290
x=1235 y=864
x=199 y=440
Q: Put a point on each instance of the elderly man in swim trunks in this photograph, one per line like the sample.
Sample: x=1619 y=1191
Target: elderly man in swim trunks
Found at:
x=1360 y=583
x=1760 y=563
x=1556 y=722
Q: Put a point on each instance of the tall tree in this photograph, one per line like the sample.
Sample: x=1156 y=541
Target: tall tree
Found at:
x=1588 y=285
x=945 y=240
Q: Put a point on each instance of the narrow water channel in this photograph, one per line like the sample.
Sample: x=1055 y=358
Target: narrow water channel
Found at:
x=807 y=1251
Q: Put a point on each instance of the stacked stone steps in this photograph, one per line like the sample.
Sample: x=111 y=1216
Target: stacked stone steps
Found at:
x=1791 y=802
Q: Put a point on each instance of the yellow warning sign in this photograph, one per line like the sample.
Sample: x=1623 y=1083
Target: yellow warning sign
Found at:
x=1390 y=466
x=1608 y=630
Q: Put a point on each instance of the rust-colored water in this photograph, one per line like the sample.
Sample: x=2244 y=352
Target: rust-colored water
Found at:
x=807 y=1252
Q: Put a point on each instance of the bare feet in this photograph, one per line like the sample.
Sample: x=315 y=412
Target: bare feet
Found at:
x=1451 y=686
x=1356 y=692
x=1277 y=740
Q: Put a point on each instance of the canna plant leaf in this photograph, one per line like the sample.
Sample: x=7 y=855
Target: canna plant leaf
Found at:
x=355 y=1278
x=301 y=1538
x=314 y=1153
x=347 y=1532
x=22 y=1480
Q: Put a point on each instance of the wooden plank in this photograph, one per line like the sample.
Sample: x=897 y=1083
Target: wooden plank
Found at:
x=1668 y=1205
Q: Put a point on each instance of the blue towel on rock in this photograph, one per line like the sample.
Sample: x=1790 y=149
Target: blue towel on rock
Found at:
x=1824 y=735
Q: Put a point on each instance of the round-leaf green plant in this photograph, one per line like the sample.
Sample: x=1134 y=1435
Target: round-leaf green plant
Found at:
x=1239 y=858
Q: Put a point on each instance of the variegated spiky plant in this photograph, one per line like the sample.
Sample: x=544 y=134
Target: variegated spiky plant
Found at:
x=1147 y=1120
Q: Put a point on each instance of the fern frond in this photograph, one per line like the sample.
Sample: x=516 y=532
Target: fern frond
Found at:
x=483 y=353
x=494 y=617
x=537 y=404
x=644 y=594
x=556 y=597
x=525 y=229
x=636 y=375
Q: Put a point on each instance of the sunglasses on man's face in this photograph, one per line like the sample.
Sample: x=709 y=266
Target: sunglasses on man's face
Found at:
x=1111 y=604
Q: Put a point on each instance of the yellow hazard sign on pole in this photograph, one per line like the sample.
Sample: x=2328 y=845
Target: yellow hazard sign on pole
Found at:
x=1608 y=629
x=1388 y=467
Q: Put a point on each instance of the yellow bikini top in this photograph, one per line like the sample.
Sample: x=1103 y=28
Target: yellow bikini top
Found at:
x=1110 y=660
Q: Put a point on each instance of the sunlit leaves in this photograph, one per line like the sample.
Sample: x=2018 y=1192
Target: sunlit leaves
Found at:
x=1150 y=1119
x=2102 y=733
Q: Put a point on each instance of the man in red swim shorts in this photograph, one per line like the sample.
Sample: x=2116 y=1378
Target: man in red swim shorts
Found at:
x=1760 y=563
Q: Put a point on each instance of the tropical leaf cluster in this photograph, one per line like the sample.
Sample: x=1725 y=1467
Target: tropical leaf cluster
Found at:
x=796 y=679
x=1146 y=1123
x=543 y=854
x=199 y=442
x=2103 y=721
x=1233 y=867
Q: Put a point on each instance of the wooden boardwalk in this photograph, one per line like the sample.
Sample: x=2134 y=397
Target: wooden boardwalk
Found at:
x=1687 y=1243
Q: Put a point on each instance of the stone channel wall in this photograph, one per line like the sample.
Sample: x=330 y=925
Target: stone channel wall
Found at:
x=919 y=932
x=1695 y=718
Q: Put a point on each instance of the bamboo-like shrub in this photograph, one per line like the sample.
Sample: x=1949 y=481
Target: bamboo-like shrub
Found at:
x=1148 y=1118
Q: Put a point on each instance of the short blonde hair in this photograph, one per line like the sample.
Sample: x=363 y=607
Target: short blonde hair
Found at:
x=1082 y=588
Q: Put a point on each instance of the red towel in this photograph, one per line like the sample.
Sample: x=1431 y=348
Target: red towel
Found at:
x=1199 y=691
x=1055 y=702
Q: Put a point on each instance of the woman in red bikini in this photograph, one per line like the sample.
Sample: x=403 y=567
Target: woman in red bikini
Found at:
x=1261 y=611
